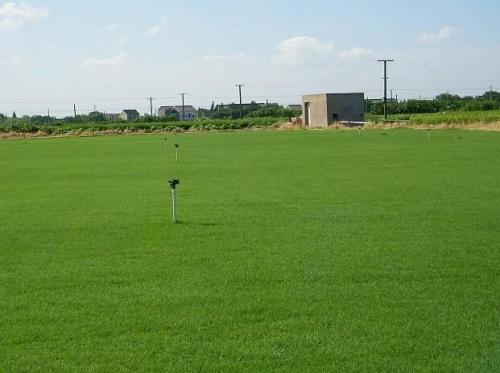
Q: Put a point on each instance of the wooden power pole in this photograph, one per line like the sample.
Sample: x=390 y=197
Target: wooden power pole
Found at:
x=241 y=101
x=151 y=105
x=183 y=105
x=385 y=85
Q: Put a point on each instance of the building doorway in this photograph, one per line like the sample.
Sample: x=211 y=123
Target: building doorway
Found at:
x=307 y=114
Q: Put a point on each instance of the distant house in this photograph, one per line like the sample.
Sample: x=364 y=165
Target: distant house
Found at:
x=184 y=113
x=129 y=115
x=111 y=116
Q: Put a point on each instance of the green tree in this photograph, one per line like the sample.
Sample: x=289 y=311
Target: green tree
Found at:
x=96 y=116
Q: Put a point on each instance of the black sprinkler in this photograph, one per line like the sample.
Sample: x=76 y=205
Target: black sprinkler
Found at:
x=173 y=183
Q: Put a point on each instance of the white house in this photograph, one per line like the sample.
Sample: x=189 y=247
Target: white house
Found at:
x=184 y=113
x=129 y=115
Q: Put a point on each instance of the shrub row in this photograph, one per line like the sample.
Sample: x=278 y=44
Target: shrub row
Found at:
x=21 y=126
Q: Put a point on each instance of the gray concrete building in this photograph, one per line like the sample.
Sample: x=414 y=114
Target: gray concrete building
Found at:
x=129 y=115
x=322 y=110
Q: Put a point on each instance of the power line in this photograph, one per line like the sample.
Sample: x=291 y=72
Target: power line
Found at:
x=446 y=81
x=411 y=92
x=443 y=89
x=69 y=101
x=216 y=97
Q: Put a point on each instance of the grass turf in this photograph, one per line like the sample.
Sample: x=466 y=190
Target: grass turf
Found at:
x=296 y=251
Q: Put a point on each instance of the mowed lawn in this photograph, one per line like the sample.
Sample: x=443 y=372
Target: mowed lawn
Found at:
x=296 y=251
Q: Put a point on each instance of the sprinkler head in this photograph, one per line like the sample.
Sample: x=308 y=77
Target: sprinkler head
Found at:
x=173 y=183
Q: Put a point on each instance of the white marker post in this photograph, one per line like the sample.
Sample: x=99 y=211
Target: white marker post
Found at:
x=176 y=152
x=428 y=134
x=173 y=186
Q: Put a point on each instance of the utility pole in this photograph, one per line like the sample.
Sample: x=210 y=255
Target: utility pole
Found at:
x=385 y=85
x=74 y=109
x=151 y=105
x=183 y=106
x=48 y=113
x=491 y=93
x=241 y=101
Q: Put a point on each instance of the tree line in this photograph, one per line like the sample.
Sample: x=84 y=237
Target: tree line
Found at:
x=444 y=102
x=251 y=110
x=441 y=103
x=232 y=111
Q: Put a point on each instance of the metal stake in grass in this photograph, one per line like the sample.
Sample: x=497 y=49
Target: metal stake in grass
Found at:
x=173 y=186
x=176 y=152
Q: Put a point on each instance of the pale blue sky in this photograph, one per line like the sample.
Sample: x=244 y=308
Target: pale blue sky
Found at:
x=114 y=53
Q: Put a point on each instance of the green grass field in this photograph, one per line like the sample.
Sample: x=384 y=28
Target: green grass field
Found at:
x=297 y=251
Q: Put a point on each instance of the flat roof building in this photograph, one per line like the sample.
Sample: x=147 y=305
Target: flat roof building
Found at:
x=322 y=110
